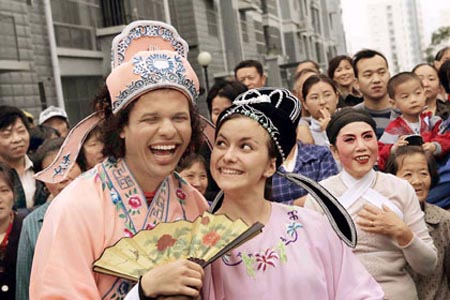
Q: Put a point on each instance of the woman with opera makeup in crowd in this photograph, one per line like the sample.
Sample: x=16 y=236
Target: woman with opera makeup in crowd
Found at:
x=412 y=163
x=391 y=228
x=150 y=122
x=297 y=255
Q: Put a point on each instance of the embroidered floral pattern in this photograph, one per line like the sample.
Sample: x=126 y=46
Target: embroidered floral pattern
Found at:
x=181 y=194
x=266 y=259
x=127 y=232
x=135 y=202
x=261 y=261
x=150 y=226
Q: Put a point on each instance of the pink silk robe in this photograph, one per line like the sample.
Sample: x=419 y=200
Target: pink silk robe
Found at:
x=84 y=219
x=297 y=256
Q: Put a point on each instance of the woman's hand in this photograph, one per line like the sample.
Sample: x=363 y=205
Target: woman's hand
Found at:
x=401 y=141
x=178 y=278
x=386 y=222
x=324 y=119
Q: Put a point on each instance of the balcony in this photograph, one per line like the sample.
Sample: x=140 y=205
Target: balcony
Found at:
x=305 y=25
x=249 y=5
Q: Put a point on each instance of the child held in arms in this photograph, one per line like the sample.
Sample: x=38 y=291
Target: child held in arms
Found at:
x=413 y=126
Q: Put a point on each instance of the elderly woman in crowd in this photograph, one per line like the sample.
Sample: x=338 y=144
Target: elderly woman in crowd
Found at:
x=412 y=163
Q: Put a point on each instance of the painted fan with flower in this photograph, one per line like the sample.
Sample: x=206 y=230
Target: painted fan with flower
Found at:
x=203 y=241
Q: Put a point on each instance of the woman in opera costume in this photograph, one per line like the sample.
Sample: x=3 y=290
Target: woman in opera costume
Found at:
x=391 y=227
x=298 y=255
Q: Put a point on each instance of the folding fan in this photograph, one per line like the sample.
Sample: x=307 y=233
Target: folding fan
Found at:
x=203 y=241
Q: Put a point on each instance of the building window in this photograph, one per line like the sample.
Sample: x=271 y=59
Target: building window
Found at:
x=301 y=48
x=75 y=23
x=259 y=37
x=316 y=20
x=244 y=26
x=148 y=10
x=318 y=52
x=269 y=7
x=8 y=36
x=304 y=4
x=78 y=95
x=211 y=18
x=273 y=40
x=113 y=12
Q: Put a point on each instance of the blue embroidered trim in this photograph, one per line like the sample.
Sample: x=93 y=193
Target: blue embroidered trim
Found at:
x=158 y=68
x=63 y=165
x=147 y=31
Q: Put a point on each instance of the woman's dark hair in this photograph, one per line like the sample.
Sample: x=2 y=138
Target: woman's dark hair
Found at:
x=395 y=161
x=224 y=88
x=444 y=76
x=316 y=79
x=46 y=149
x=333 y=64
x=189 y=160
x=81 y=159
x=441 y=53
x=114 y=145
x=7 y=175
x=39 y=135
x=424 y=65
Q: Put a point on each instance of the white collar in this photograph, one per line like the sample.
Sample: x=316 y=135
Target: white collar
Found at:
x=28 y=163
x=290 y=165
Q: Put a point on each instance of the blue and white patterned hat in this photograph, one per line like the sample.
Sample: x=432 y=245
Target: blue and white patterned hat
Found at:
x=149 y=55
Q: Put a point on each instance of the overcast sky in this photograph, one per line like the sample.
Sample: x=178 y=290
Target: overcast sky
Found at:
x=353 y=12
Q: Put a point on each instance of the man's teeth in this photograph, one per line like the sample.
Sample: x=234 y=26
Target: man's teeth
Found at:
x=361 y=158
x=231 y=171
x=163 y=147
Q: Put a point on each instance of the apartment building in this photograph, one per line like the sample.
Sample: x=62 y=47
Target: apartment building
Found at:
x=57 y=52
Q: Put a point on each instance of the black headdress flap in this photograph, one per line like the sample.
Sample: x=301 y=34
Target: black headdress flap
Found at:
x=338 y=216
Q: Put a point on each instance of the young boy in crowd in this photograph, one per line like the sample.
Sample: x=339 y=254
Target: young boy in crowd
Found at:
x=408 y=95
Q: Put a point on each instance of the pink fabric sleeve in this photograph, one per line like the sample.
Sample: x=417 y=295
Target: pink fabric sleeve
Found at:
x=66 y=248
x=348 y=277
